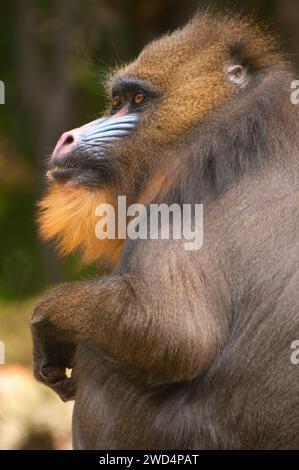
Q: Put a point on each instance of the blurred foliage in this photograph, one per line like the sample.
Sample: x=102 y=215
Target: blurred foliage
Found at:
x=15 y=331
x=31 y=416
x=54 y=57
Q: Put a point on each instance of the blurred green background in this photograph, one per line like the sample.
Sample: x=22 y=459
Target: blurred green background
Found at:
x=54 y=55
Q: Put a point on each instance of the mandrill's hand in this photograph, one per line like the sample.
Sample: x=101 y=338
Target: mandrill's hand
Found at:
x=53 y=348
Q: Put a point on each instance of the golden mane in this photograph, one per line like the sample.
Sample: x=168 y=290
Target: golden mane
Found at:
x=68 y=215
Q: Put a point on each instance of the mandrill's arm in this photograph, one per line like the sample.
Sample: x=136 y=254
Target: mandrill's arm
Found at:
x=158 y=318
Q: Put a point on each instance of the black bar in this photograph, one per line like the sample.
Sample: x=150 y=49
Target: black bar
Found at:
x=134 y=459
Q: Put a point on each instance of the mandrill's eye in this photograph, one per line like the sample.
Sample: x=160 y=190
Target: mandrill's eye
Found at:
x=116 y=100
x=139 y=98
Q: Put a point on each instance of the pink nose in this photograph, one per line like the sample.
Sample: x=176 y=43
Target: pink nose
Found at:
x=67 y=142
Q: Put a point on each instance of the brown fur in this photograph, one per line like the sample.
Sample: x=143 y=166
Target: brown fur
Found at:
x=68 y=215
x=176 y=349
x=197 y=53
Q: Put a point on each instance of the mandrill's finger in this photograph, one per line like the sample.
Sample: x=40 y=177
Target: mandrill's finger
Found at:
x=55 y=377
x=66 y=389
x=53 y=374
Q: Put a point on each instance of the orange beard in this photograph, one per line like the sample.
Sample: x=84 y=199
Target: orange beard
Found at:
x=67 y=214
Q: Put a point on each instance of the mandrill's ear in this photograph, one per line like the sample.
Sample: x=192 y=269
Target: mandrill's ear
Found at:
x=241 y=64
x=237 y=74
x=248 y=57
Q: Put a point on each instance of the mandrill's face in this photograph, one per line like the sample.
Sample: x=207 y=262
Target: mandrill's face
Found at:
x=167 y=91
x=155 y=101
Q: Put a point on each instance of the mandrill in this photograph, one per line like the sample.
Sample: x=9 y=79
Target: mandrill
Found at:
x=178 y=349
